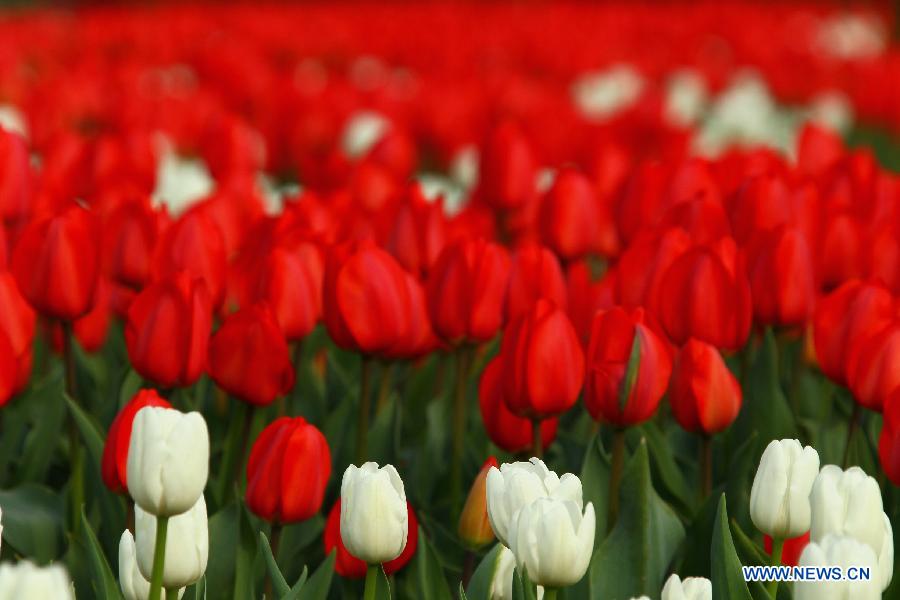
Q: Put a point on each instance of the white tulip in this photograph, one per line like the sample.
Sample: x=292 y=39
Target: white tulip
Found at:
x=514 y=485
x=26 y=581
x=168 y=460
x=187 y=545
x=374 y=517
x=779 y=498
x=553 y=541
x=885 y=554
x=844 y=552
x=691 y=588
x=134 y=586
x=504 y=571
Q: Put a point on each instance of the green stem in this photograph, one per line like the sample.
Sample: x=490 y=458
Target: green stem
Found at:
x=615 y=476
x=706 y=463
x=159 y=558
x=537 y=444
x=777 y=547
x=76 y=486
x=229 y=467
x=851 y=430
x=172 y=594
x=371 y=582
x=362 y=423
x=459 y=425
x=550 y=593
x=384 y=388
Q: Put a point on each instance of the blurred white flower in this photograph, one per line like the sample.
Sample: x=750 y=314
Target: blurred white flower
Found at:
x=180 y=182
x=691 y=588
x=363 y=130
x=844 y=552
x=26 y=581
x=600 y=95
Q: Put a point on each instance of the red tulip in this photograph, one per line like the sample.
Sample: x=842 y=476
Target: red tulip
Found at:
x=761 y=204
x=287 y=471
x=704 y=394
x=418 y=232
x=290 y=281
x=347 y=565
x=542 y=363
x=840 y=256
x=535 y=274
x=642 y=201
x=587 y=296
x=128 y=242
x=873 y=365
x=703 y=219
x=249 y=357
x=628 y=367
x=56 y=263
x=842 y=317
x=645 y=261
x=792 y=549
x=91 y=329
x=16 y=186
x=818 y=150
x=508 y=168
x=508 y=431
x=467 y=289
x=570 y=219
x=167 y=331
x=114 y=465
x=193 y=244
x=889 y=442
x=782 y=278
x=17 y=323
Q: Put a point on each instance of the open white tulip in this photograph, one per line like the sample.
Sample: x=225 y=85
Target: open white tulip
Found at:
x=134 y=586
x=515 y=485
x=187 y=545
x=168 y=460
x=26 y=581
x=374 y=517
x=690 y=588
x=844 y=552
x=553 y=541
x=779 y=498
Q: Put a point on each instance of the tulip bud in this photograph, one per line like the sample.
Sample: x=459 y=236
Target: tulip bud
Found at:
x=114 y=465
x=514 y=485
x=704 y=394
x=374 y=516
x=889 y=442
x=644 y=262
x=249 y=357
x=508 y=168
x=780 y=496
x=347 y=565
x=129 y=238
x=474 y=526
x=193 y=244
x=691 y=588
x=535 y=274
x=26 y=581
x=571 y=221
x=839 y=551
x=418 y=232
x=17 y=322
x=871 y=371
x=16 y=177
x=290 y=281
x=553 y=541
x=134 y=586
x=168 y=460
x=782 y=278
x=187 y=545
x=287 y=471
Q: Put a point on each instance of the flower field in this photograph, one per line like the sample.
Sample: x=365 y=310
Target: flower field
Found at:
x=433 y=301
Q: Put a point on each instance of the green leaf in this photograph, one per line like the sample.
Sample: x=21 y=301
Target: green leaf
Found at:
x=751 y=553
x=480 y=583
x=102 y=578
x=631 y=372
x=636 y=555
x=523 y=589
x=279 y=584
x=198 y=590
x=727 y=578
x=318 y=584
x=33 y=521
x=595 y=483
x=223 y=538
x=429 y=574
x=48 y=417
x=244 y=576
x=462 y=592
x=670 y=476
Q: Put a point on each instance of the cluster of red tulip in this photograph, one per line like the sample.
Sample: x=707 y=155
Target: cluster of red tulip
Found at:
x=632 y=272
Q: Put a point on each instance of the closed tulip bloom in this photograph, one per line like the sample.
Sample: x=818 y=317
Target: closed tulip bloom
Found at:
x=26 y=581
x=506 y=429
x=840 y=252
x=168 y=460
x=290 y=281
x=889 y=441
x=873 y=365
x=844 y=552
x=374 y=517
x=515 y=485
x=644 y=262
x=474 y=526
x=780 y=496
x=129 y=238
x=508 y=168
x=535 y=274
x=553 y=541
x=347 y=565
x=782 y=278
x=193 y=244
x=705 y=395
x=689 y=588
x=56 y=263
x=134 y=585
x=187 y=545
x=114 y=464
x=542 y=362
x=570 y=219
x=287 y=471
x=418 y=232
x=249 y=357
x=587 y=294
x=167 y=331
x=17 y=322
x=844 y=315
x=418 y=339
x=16 y=178
x=466 y=291
x=628 y=367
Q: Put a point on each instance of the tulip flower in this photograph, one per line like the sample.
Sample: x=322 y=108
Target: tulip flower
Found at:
x=873 y=365
x=418 y=232
x=347 y=565
x=704 y=394
x=129 y=238
x=553 y=542
x=587 y=295
x=17 y=324
x=26 y=581
x=134 y=585
x=167 y=331
x=114 y=464
x=504 y=572
x=780 y=496
x=91 y=328
x=374 y=516
x=571 y=219
x=514 y=485
x=689 y=588
x=507 y=430
x=844 y=552
x=474 y=526
x=185 y=543
x=16 y=178
x=644 y=262
x=889 y=441
x=840 y=251
x=287 y=471
x=290 y=281
x=56 y=263
x=508 y=168
x=168 y=460
x=249 y=356
x=782 y=278
x=535 y=274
